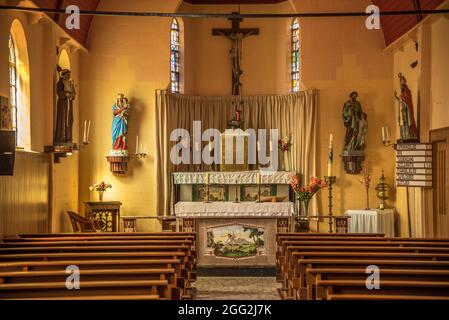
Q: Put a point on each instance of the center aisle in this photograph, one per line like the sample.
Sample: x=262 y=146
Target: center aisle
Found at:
x=237 y=288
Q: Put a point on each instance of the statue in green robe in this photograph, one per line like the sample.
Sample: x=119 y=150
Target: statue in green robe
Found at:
x=356 y=124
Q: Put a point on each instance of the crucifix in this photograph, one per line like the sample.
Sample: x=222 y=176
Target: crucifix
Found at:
x=236 y=35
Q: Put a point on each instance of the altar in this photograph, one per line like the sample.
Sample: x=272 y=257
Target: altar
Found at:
x=234 y=227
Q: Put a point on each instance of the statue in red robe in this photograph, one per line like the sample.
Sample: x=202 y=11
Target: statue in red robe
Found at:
x=407 y=124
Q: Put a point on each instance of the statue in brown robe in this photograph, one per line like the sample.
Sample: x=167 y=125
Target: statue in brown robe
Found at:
x=66 y=94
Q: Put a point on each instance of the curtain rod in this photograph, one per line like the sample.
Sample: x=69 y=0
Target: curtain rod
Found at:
x=227 y=15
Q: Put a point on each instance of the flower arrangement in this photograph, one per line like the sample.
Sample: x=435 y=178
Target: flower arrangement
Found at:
x=285 y=143
x=366 y=182
x=306 y=193
x=100 y=188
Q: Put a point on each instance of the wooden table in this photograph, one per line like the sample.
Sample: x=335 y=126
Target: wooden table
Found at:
x=129 y=223
x=106 y=213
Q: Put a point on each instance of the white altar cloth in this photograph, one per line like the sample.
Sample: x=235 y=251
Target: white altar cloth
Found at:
x=236 y=178
x=230 y=209
x=372 y=221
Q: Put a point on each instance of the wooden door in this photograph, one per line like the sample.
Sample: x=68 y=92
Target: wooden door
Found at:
x=440 y=141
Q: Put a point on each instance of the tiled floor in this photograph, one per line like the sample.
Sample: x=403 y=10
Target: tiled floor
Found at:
x=236 y=288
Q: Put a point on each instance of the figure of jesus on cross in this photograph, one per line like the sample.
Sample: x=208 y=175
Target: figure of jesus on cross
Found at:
x=236 y=35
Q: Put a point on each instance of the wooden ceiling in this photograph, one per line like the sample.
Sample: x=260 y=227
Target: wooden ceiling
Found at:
x=393 y=26
x=234 y=1
x=85 y=21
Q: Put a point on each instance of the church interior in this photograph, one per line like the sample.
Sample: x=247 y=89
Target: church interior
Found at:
x=224 y=149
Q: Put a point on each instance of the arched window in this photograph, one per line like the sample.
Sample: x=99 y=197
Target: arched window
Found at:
x=295 y=56
x=175 y=63
x=13 y=82
x=19 y=85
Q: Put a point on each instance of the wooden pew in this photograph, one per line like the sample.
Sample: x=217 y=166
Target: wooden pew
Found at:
x=409 y=289
x=100 y=259
x=101 y=298
x=298 y=271
x=179 y=289
x=290 y=246
x=87 y=289
x=309 y=264
x=95 y=275
x=104 y=234
x=100 y=245
x=283 y=261
x=316 y=274
x=6 y=249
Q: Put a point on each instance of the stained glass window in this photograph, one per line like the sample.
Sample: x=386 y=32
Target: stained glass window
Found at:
x=174 y=57
x=13 y=81
x=295 y=56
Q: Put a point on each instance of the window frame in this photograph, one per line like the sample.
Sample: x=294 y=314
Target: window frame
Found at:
x=175 y=56
x=295 y=62
x=13 y=82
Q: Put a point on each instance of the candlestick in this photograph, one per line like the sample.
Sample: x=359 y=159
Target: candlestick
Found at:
x=330 y=180
x=330 y=156
x=259 y=182
x=206 y=200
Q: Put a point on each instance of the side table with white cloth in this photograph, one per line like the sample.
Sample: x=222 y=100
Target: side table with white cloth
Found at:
x=372 y=221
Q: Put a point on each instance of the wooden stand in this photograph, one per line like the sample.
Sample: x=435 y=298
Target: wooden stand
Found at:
x=118 y=164
x=107 y=214
x=61 y=150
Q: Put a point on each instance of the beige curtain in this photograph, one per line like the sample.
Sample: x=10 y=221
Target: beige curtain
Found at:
x=293 y=114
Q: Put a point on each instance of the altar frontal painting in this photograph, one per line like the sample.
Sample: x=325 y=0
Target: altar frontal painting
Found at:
x=235 y=241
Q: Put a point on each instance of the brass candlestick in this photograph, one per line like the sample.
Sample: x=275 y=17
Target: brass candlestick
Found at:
x=330 y=182
x=259 y=182
x=258 y=192
x=237 y=189
x=207 y=189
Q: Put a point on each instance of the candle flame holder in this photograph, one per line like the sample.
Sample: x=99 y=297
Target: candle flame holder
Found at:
x=330 y=181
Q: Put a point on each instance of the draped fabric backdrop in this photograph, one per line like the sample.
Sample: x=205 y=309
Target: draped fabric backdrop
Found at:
x=293 y=114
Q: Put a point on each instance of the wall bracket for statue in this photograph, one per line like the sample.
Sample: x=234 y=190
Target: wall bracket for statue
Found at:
x=356 y=124
x=118 y=157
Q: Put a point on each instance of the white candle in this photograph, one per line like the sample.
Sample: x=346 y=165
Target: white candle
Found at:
x=387 y=134
x=88 y=131
x=137 y=145
x=384 y=136
x=271 y=145
x=84 y=131
x=258 y=146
